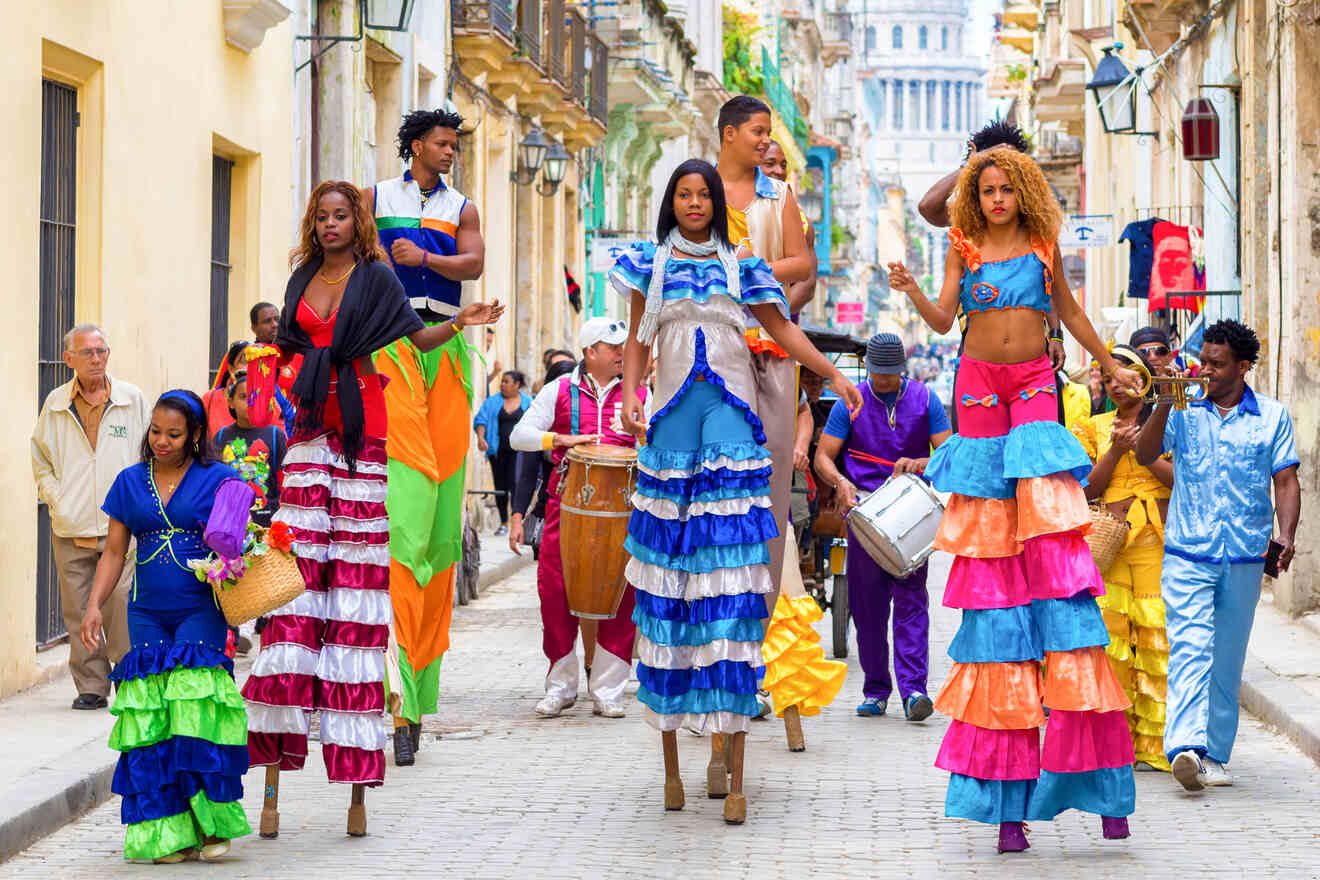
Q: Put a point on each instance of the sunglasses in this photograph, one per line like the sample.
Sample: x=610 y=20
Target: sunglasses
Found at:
x=1157 y=350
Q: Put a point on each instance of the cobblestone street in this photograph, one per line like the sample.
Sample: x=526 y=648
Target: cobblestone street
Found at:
x=499 y=793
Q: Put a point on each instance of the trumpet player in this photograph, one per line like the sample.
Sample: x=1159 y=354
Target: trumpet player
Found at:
x=1228 y=448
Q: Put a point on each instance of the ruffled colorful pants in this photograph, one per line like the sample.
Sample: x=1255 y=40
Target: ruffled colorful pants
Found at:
x=1031 y=634
x=699 y=560
x=325 y=650
x=182 y=732
x=1138 y=646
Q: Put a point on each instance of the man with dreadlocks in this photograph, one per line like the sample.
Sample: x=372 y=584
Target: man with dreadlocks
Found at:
x=433 y=236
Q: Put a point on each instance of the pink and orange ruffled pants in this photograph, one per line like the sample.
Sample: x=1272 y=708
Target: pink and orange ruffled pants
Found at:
x=1032 y=636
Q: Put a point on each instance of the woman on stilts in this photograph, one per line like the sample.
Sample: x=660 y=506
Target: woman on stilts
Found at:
x=325 y=651
x=1031 y=631
x=702 y=506
x=180 y=725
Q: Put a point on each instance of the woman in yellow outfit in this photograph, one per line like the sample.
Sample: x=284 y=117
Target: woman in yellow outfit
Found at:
x=1132 y=607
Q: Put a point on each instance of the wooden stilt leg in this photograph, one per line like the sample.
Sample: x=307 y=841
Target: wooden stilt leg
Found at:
x=270 y=804
x=735 y=805
x=357 y=811
x=793 y=727
x=717 y=771
x=673 y=784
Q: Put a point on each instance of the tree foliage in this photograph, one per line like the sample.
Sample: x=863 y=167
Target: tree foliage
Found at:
x=742 y=70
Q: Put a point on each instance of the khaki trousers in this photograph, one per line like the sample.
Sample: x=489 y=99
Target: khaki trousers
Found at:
x=776 y=405
x=77 y=569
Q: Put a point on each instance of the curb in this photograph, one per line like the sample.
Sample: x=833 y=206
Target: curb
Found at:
x=498 y=572
x=1278 y=702
x=47 y=801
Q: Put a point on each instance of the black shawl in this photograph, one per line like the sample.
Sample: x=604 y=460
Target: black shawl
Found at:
x=373 y=313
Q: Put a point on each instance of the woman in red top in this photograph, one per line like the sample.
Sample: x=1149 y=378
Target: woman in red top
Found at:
x=325 y=650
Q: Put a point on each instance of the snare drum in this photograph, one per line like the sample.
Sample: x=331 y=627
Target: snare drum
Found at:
x=896 y=524
x=595 y=502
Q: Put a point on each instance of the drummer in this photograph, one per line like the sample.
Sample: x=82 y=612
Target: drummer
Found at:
x=900 y=422
x=580 y=407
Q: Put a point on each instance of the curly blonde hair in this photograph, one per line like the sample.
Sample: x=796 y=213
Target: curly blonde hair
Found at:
x=1038 y=210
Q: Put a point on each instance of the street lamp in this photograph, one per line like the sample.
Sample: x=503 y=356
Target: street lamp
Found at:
x=1114 y=88
x=387 y=15
x=555 y=166
x=531 y=153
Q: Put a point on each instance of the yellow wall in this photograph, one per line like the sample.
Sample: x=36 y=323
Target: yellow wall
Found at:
x=160 y=91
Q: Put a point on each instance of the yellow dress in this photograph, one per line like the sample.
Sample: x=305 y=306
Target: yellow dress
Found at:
x=1132 y=606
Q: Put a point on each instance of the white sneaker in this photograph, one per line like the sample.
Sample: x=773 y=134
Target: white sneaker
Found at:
x=607 y=708
x=1215 y=774
x=1189 y=771
x=551 y=706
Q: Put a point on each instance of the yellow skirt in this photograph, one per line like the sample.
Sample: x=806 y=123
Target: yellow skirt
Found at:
x=1138 y=646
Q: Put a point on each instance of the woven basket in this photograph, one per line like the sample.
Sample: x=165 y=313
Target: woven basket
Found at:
x=271 y=581
x=1107 y=536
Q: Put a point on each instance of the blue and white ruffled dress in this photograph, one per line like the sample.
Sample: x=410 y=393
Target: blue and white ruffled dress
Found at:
x=701 y=515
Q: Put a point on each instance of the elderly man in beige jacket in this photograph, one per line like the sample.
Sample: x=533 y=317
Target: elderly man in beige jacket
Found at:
x=89 y=430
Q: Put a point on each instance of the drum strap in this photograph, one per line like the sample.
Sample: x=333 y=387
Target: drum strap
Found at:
x=575 y=399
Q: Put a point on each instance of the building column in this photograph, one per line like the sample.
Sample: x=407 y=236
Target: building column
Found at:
x=958 y=106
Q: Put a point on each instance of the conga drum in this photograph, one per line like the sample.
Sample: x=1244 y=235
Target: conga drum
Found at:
x=595 y=501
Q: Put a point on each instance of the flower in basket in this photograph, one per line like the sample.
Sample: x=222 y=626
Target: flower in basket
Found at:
x=280 y=536
x=218 y=571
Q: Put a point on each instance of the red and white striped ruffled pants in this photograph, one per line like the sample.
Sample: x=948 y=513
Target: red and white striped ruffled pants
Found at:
x=325 y=650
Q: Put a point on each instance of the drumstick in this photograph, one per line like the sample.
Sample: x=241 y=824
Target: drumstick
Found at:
x=871 y=458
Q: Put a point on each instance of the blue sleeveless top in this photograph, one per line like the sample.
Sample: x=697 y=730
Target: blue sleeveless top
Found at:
x=1017 y=283
x=1022 y=282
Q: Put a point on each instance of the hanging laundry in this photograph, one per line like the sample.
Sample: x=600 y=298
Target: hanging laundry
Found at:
x=1139 y=235
x=1173 y=269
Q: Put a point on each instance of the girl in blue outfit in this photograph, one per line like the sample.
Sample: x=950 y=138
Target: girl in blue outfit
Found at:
x=702 y=515
x=181 y=727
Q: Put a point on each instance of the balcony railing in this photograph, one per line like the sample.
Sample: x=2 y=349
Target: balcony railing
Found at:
x=577 y=57
x=527 y=34
x=555 y=42
x=839 y=27
x=495 y=16
x=600 y=71
x=781 y=98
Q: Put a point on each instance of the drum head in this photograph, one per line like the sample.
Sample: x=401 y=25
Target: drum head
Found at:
x=602 y=454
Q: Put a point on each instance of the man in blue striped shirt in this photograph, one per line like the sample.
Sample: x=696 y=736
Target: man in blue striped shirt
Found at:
x=1228 y=449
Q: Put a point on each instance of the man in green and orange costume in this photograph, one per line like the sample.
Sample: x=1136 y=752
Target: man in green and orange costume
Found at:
x=433 y=235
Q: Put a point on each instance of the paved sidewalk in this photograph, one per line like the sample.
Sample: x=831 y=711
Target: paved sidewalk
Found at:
x=54 y=764
x=499 y=793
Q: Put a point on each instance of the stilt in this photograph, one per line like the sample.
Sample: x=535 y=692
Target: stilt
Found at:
x=270 y=804
x=717 y=771
x=357 y=811
x=735 y=805
x=793 y=727
x=673 y=784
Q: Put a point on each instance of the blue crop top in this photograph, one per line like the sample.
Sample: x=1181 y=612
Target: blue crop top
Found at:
x=1017 y=283
x=1023 y=282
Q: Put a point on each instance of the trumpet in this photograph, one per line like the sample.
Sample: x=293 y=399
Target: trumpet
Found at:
x=1177 y=390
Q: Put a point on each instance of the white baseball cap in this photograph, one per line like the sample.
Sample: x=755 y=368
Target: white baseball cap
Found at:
x=611 y=330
